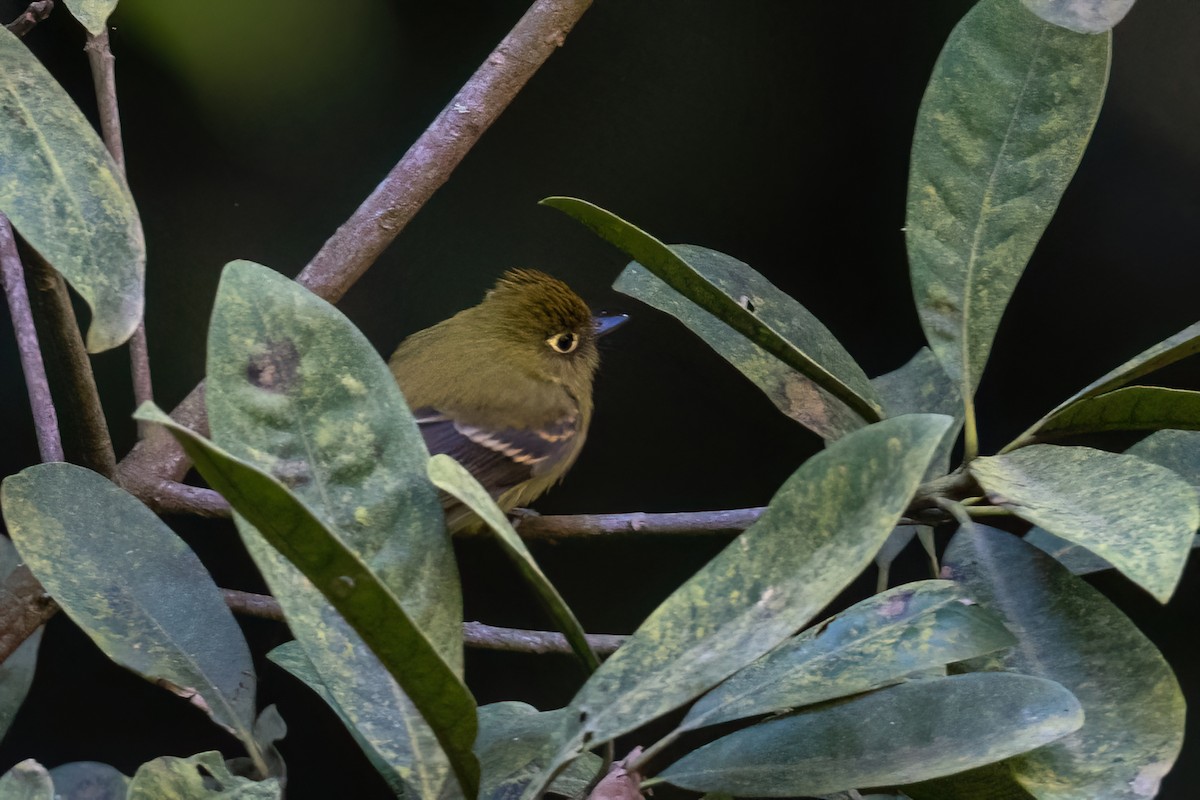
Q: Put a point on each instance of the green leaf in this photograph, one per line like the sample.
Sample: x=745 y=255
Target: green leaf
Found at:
x=88 y=780
x=1003 y=124
x=992 y=782
x=1070 y=633
x=1134 y=408
x=134 y=587
x=452 y=478
x=516 y=741
x=1082 y=16
x=290 y=657
x=792 y=392
x=203 y=776
x=873 y=643
x=93 y=14
x=296 y=390
x=67 y=197
x=1178 y=451
x=902 y=734
x=16 y=671
x=822 y=527
x=28 y=780
x=1136 y=515
x=351 y=587
x=777 y=323
x=1173 y=348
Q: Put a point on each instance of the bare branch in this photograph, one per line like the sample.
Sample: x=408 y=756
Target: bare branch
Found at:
x=12 y=276
x=475 y=634
x=87 y=441
x=428 y=163
x=533 y=526
x=24 y=607
x=171 y=497
x=31 y=16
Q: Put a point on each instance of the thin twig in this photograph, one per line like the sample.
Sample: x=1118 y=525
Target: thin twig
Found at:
x=104 y=81
x=475 y=634
x=87 y=441
x=12 y=276
x=533 y=526
x=31 y=16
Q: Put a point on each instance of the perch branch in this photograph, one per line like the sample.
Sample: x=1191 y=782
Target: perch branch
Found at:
x=534 y=526
x=31 y=16
x=87 y=428
x=425 y=167
x=12 y=276
x=170 y=497
x=475 y=634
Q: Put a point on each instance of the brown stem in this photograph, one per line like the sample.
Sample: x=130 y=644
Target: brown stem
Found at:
x=475 y=634
x=532 y=526
x=12 y=276
x=428 y=163
x=170 y=497
x=31 y=16
x=24 y=607
x=87 y=442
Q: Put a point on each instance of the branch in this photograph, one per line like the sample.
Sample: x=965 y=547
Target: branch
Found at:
x=475 y=634
x=12 y=276
x=534 y=526
x=428 y=163
x=31 y=16
x=88 y=442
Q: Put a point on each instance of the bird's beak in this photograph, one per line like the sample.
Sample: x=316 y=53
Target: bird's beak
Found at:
x=604 y=323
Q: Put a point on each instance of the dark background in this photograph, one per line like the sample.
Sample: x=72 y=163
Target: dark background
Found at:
x=777 y=131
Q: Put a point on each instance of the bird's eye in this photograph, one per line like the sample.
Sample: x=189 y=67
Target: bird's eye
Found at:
x=563 y=342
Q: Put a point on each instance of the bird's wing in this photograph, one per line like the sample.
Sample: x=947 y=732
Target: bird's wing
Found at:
x=498 y=458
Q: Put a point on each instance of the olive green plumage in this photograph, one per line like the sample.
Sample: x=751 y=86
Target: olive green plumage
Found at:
x=505 y=387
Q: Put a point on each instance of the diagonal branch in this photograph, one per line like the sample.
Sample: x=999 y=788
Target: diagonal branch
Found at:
x=31 y=16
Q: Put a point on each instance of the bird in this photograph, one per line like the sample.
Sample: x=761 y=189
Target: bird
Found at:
x=505 y=387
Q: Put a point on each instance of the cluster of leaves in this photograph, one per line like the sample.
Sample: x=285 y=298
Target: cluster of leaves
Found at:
x=1014 y=674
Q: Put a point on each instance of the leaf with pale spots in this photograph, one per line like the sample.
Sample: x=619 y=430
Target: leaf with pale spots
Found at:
x=296 y=390
x=821 y=529
x=1001 y=129
x=66 y=196
x=28 y=780
x=793 y=392
x=1136 y=515
x=276 y=517
x=92 y=14
x=1134 y=711
x=1081 y=16
x=876 y=642
x=134 y=587
x=204 y=776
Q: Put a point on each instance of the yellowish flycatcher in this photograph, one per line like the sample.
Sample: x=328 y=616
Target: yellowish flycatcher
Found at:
x=505 y=387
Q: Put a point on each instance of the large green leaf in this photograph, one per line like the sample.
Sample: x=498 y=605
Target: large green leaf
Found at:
x=792 y=392
x=516 y=741
x=88 y=780
x=350 y=586
x=203 y=776
x=876 y=642
x=67 y=197
x=992 y=782
x=1168 y=351
x=134 y=587
x=296 y=390
x=16 y=672
x=290 y=657
x=1070 y=633
x=902 y=734
x=1083 y=16
x=92 y=14
x=453 y=478
x=822 y=527
x=1136 y=515
x=1134 y=408
x=28 y=780
x=1003 y=124
x=754 y=308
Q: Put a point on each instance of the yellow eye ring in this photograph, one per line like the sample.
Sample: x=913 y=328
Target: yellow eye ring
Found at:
x=563 y=342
